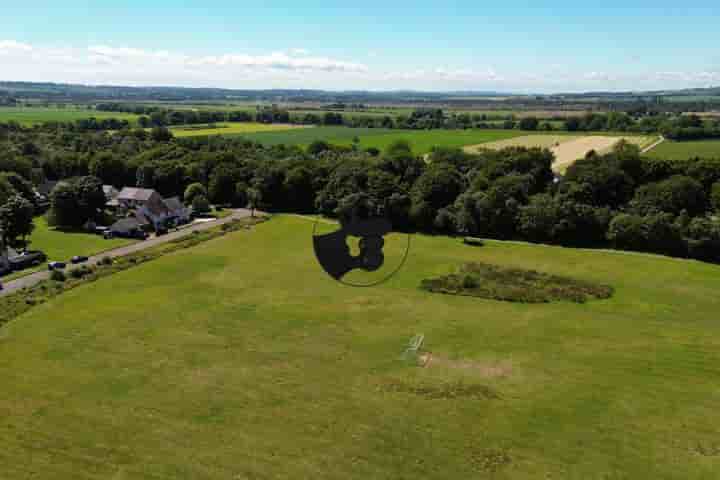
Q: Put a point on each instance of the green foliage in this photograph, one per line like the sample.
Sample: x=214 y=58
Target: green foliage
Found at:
x=514 y=285
x=193 y=190
x=57 y=276
x=75 y=202
x=16 y=221
x=200 y=205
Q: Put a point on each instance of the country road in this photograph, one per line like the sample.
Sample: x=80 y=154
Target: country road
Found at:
x=34 y=278
x=655 y=144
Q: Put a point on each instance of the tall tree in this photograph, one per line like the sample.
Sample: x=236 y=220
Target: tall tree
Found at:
x=16 y=221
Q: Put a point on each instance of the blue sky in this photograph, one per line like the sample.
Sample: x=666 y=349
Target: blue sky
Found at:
x=507 y=46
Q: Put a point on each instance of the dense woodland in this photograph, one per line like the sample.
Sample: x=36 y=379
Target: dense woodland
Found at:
x=619 y=199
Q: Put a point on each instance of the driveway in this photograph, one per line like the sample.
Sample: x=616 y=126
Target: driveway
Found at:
x=34 y=278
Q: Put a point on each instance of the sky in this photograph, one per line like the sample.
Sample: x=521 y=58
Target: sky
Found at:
x=507 y=46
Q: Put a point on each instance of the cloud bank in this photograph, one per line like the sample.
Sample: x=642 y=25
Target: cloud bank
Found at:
x=299 y=68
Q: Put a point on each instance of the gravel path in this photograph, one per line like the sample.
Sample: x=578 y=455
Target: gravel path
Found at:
x=34 y=278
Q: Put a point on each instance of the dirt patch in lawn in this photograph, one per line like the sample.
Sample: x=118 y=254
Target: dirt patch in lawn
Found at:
x=499 y=369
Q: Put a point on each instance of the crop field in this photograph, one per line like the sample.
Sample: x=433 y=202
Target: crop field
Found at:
x=687 y=150
x=37 y=115
x=240 y=359
x=231 y=128
x=422 y=140
x=567 y=147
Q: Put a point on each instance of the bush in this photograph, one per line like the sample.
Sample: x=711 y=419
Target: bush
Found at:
x=473 y=242
x=58 y=276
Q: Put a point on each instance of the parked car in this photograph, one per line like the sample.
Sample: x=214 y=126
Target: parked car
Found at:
x=56 y=266
x=78 y=259
x=27 y=260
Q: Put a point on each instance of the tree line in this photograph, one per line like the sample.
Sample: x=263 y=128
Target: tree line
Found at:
x=619 y=199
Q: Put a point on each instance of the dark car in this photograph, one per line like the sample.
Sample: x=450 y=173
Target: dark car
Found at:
x=56 y=265
x=78 y=259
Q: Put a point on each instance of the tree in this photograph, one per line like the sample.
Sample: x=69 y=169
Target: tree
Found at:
x=109 y=168
x=221 y=189
x=6 y=190
x=254 y=199
x=74 y=203
x=161 y=134
x=200 y=205
x=529 y=123
x=193 y=190
x=673 y=195
x=16 y=221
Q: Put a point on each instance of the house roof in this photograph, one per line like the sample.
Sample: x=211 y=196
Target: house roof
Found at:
x=125 y=225
x=138 y=194
x=174 y=204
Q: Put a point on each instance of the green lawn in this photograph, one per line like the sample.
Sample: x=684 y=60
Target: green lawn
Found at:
x=62 y=246
x=686 y=150
x=240 y=359
x=36 y=115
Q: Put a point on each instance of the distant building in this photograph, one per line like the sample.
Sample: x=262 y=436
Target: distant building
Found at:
x=146 y=203
x=127 y=228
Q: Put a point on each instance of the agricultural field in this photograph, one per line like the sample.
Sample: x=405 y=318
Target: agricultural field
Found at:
x=567 y=147
x=239 y=359
x=231 y=128
x=686 y=150
x=422 y=141
x=37 y=115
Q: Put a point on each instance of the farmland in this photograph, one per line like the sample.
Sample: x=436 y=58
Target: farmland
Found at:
x=239 y=359
x=567 y=147
x=422 y=140
x=37 y=115
x=231 y=128
x=687 y=150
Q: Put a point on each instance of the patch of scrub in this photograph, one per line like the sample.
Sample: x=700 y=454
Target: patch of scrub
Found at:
x=514 y=285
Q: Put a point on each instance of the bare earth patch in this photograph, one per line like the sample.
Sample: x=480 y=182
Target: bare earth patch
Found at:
x=499 y=369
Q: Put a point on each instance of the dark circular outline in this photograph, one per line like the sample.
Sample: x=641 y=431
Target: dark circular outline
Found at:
x=378 y=282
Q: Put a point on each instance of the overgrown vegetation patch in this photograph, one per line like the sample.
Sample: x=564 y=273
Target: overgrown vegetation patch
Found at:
x=515 y=285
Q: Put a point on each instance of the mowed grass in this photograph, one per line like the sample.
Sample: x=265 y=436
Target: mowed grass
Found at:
x=62 y=246
x=686 y=150
x=231 y=128
x=240 y=359
x=37 y=115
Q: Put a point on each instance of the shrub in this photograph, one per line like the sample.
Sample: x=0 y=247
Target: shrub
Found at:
x=58 y=276
x=473 y=242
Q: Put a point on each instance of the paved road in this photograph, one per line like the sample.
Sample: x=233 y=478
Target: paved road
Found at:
x=33 y=278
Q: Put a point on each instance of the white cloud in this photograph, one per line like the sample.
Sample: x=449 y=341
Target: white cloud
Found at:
x=298 y=68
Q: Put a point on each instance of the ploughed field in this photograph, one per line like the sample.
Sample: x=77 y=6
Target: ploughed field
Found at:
x=239 y=358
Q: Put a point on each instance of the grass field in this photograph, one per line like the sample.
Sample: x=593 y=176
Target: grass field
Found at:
x=240 y=359
x=36 y=115
x=421 y=140
x=62 y=246
x=231 y=128
x=686 y=150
